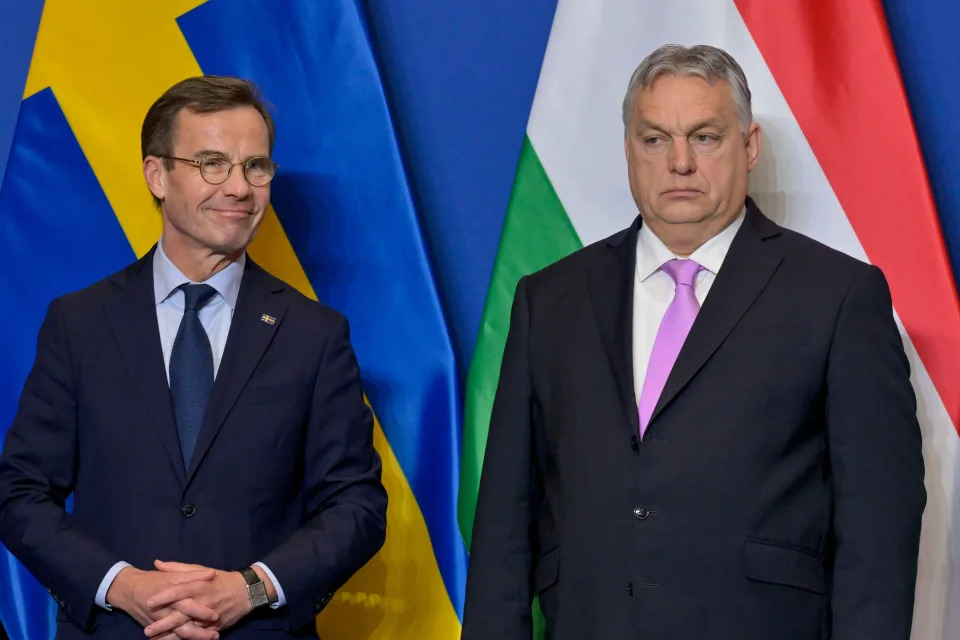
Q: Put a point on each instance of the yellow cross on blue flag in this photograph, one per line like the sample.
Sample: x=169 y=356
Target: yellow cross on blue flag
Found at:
x=342 y=228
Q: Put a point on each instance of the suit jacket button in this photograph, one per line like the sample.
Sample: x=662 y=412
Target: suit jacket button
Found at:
x=188 y=510
x=641 y=512
x=634 y=443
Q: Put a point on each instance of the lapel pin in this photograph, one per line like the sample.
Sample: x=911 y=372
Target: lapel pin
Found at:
x=268 y=319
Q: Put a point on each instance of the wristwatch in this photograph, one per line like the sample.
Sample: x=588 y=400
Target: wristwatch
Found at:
x=256 y=590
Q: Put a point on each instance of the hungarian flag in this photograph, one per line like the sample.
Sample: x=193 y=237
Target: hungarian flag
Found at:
x=840 y=162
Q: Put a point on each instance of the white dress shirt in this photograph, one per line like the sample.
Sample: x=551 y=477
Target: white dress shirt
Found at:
x=215 y=316
x=653 y=289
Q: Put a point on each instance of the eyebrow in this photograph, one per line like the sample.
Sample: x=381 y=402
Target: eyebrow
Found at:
x=697 y=126
x=216 y=152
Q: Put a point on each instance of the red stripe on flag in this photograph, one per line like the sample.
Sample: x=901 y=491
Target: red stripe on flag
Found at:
x=835 y=64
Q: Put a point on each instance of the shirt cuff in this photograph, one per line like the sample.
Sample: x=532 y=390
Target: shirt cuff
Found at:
x=281 y=599
x=101 y=597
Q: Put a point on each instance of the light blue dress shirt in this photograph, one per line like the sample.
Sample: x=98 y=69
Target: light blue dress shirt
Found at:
x=215 y=317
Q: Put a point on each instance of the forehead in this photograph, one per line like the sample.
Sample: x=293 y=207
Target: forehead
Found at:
x=683 y=96
x=222 y=130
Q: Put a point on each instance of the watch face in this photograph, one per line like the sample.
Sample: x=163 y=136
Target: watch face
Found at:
x=258 y=594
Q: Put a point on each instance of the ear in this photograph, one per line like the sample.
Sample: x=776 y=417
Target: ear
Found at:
x=156 y=176
x=752 y=142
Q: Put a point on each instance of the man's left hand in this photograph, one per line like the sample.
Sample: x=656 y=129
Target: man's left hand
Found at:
x=226 y=594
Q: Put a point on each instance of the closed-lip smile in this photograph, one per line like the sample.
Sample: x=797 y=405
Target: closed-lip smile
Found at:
x=244 y=212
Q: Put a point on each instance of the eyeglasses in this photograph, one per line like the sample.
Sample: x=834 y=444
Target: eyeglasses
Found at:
x=216 y=168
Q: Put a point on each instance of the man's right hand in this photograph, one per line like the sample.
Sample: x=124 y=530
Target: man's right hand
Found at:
x=132 y=588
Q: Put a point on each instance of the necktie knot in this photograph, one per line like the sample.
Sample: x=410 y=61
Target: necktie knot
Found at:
x=196 y=295
x=682 y=271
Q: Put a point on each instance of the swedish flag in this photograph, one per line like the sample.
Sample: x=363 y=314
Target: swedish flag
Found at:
x=73 y=208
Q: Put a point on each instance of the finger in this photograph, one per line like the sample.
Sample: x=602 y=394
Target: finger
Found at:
x=174 y=594
x=193 y=632
x=183 y=577
x=167 y=636
x=196 y=611
x=166 y=624
x=162 y=565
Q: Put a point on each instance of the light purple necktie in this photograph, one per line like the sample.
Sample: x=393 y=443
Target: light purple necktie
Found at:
x=673 y=331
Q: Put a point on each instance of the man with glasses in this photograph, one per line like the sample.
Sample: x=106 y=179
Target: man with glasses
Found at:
x=207 y=418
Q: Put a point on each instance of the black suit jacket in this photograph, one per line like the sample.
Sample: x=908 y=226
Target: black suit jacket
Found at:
x=777 y=492
x=284 y=470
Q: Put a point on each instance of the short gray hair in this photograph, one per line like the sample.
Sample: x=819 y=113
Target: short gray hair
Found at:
x=704 y=61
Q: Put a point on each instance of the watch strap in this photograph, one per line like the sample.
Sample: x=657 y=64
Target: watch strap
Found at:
x=249 y=575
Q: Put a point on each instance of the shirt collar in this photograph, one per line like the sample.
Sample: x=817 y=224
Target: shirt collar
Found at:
x=167 y=277
x=652 y=253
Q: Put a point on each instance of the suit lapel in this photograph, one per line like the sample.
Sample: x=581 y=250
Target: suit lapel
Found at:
x=611 y=292
x=249 y=336
x=132 y=317
x=747 y=268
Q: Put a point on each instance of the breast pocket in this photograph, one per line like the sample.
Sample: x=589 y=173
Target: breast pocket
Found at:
x=782 y=336
x=275 y=394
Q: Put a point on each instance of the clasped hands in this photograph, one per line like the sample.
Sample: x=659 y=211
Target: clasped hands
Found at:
x=186 y=601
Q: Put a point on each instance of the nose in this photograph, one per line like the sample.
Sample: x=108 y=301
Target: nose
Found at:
x=236 y=184
x=681 y=157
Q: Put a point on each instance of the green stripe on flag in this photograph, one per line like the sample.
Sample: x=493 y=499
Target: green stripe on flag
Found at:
x=536 y=233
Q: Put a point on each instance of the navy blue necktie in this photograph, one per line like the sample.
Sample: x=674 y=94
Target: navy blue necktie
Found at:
x=191 y=369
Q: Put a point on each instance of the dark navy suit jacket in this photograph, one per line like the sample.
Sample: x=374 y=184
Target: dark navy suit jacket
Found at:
x=284 y=471
x=777 y=492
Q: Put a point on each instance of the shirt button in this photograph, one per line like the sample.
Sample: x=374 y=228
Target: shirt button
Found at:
x=641 y=512
x=188 y=510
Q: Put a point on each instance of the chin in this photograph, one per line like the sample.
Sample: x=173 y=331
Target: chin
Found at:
x=230 y=245
x=230 y=237
x=683 y=213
